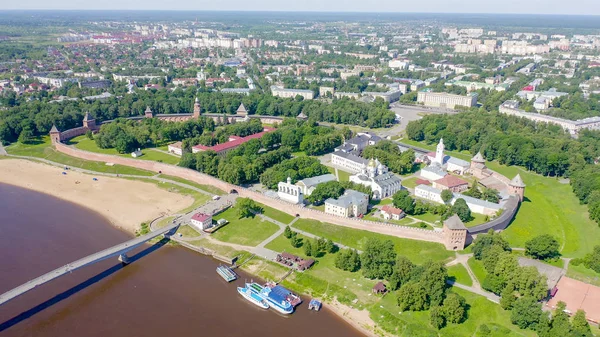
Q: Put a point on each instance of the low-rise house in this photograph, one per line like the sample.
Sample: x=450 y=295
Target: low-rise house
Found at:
x=391 y=212
x=433 y=172
x=308 y=185
x=176 y=148
x=452 y=183
x=201 y=221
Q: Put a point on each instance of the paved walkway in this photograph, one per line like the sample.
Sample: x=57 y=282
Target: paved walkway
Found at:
x=490 y=296
x=2 y=150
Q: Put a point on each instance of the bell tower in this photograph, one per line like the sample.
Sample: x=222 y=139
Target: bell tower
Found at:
x=197 y=108
x=439 y=152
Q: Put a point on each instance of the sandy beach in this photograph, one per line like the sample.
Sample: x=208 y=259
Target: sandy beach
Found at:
x=125 y=203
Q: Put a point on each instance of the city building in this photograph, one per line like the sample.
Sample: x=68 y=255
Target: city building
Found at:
x=375 y=175
x=290 y=192
x=291 y=93
x=452 y=183
x=232 y=143
x=356 y=144
x=444 y=100
x=351 y=204
x=348 y=161
x=308 y=185
x=390 y=212
x=201 y=221
x=176 y=148
x=433 y=172
x=475 y=205
x=455 y=233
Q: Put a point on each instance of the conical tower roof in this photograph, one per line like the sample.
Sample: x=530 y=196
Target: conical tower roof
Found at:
x=148 y=110
x=455 y=223
x=242 y=108
x=478 y=158
x=54 y=129
x=196 y=100
x=517 y=181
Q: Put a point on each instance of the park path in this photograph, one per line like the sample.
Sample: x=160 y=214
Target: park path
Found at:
x=490 y=296
x=2 y=150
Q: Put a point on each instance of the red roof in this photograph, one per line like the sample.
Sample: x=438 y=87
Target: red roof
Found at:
x=451 y=181
x=422 y=182
x=201 y=217
x=233 y=143
x=392 y=210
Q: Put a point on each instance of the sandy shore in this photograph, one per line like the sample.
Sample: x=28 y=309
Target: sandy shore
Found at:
x=125 y=203
x=359 y=319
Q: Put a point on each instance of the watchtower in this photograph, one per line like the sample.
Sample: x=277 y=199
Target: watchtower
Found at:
x=517 y=187
x=55 y=135
x=197 y=108
x=455 y=233
x=89 y=121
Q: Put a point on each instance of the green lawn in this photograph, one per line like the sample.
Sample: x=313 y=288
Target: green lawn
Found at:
x=276 y=214
x=460 y=274
x=417 y=251
x=281 y=243
x=386 y=201
x=45 y=151
x=402 y=222
x=187 y=232
x=416 y=324
x=550 y=207
x=246 y=231
x=429 y=217
x=163 y=222
x=583 y=274
x=477 y=269
x=86 y=144
x=343 y=175
x=410 y=182
x=478 y=219
x=207 y=188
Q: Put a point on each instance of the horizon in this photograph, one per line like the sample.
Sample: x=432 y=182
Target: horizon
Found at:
x=510 y=7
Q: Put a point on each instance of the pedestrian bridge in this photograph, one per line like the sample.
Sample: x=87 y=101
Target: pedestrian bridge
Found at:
x=118 y=250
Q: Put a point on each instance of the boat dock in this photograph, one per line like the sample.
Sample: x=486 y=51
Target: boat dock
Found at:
x=314 y=305
x=226 y=273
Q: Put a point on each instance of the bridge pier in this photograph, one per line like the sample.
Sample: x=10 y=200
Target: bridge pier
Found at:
x=124 y=259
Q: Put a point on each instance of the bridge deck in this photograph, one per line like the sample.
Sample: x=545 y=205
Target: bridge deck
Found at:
x=90 y=259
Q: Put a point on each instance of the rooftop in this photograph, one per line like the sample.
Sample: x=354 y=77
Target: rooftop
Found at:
x=308 y=182
x=350 y=197
x=451 y=181
x=454 y=223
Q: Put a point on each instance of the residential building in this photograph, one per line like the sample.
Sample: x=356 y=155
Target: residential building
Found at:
x=375 y=175
x=356 y=144
x=348 y=161
x=291 y=93
x=176 y=148
x=391 y=212
x=351 y=204
x=444 y=100
x=475 y=205
x=232 y=143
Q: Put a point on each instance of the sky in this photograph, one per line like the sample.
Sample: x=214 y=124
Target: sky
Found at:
x=585 y=7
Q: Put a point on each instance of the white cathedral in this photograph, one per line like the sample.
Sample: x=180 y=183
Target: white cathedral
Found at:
x=439 y=164
x=375 y=175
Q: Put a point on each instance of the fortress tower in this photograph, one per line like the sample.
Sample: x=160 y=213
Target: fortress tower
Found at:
x=197 y=108
x=148 y=113
x=517 y=187
x=89 y=121
x=55 y=135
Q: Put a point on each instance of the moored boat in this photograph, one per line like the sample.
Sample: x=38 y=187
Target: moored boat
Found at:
x=279 y=298
x=252 y=296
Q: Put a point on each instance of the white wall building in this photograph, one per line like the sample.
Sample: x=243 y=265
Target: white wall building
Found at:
x=291 y=93
x=290 y=192
x=351 y=204
x=475 y=205
x=308 y=185
x=444 y=100
x=348 y=161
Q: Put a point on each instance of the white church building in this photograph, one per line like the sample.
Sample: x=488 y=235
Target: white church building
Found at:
x=375 y=175
x=290 y=192
x=439 y=163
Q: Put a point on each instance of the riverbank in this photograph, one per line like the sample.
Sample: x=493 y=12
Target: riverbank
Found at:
x=125 y=203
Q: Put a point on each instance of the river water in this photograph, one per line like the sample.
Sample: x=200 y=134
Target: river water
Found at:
x=168 y=291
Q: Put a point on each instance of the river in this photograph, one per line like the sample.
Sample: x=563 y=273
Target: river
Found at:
x=168 y=291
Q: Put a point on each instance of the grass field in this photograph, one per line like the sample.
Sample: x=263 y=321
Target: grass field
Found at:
x=460 y=274
x=550 y=207
x=44 y=150
x=416 y=324
x=428 y=217
x=477 y=269
x=417 y=251
x=410 y=182
x=207 y=188
x=584 y=274
x=246 y=231
x=276 y=214
x=86 y=144
x=187 y=232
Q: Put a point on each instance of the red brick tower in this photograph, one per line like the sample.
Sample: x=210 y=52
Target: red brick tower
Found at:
x=197 y=108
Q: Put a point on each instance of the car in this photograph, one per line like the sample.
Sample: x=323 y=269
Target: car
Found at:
x=216 y=197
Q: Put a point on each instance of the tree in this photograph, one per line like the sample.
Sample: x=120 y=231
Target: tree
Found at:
x=404 y=201
x=560 y=325
x=295 y=241
x=436 y=317
x=348 y=260
x=26 y=136
x=247 y=208
x=433 y=279
x=542 y=247
x=461 y=209
x=454 y=308
x=507 y=297
x=89 y=135
x=412 y=297
x=330 y=247
x=378 y=259
x=581 y=328
x=526 y=313
x=484 y=241
x=402 y=272
x=287 y=232
x=447 y=195
x=330 y=189
x=308 y=248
